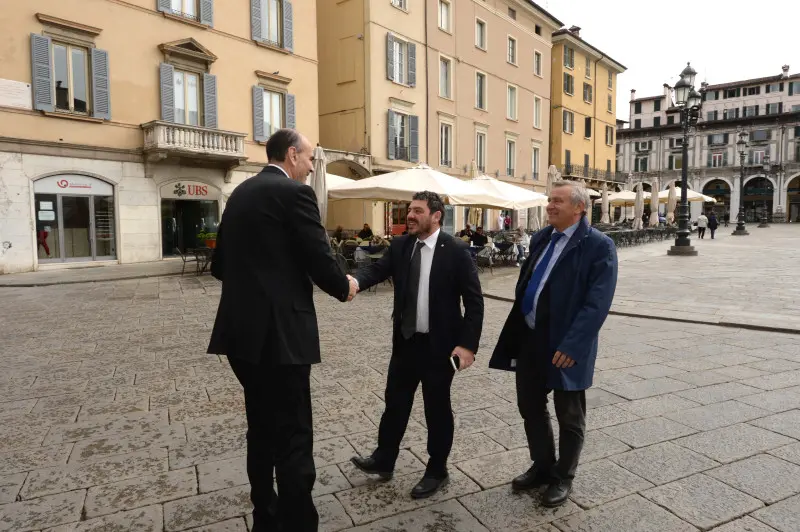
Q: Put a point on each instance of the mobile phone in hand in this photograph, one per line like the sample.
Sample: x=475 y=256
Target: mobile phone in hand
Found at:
x=455 y=362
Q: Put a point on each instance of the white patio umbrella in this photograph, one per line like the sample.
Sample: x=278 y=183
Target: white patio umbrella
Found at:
x=518 y=197
x=319 y=182
x=333 y=180
x=625 y=198
x=638 y=207
x=604 y=219
x=691 y=195
x=553 y=175
x=672 y=202
x=403 y=184
x=654 y=204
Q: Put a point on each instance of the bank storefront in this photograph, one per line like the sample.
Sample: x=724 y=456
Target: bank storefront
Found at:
x=75 y=219
x=188 y=208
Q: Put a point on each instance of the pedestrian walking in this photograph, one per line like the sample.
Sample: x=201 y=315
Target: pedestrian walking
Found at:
x=433 y=275
x=702 y=223
x=550 y=338
x=726 y=217
x=713 y=223
x=267 y=326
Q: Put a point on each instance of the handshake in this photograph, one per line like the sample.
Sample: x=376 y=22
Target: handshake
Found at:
x=353 y=288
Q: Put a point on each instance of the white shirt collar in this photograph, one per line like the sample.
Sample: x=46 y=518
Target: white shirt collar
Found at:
x=279 y=168
x=431 y=240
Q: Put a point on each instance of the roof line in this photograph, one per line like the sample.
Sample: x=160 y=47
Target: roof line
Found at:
x=544 y=11
x=568 y=33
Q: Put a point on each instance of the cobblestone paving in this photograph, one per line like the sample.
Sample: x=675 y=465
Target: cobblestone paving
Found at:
x=112 y=418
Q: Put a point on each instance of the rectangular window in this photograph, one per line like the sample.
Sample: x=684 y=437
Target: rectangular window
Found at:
x=444 y=15
x=711 y=115
x=537 y=112
x=537 y=63
x=400 y=61
x=71 y=77
x=637 y=124
x=185 y=8
x=794 y=88
x=445 y=145
x=610 y=104
x=751 y=110
x=588 y=67
x=716 y=160
x=272 y=20
x=609 y=135
x=757 y=157
x=569 y=84
x=657 y=105
x=610 y=79
x=535 y=163
x=568 y=122
x=569 y=57
x=712 y=95
x=730 y=114
x=511 y=157
x=640 y=164
x=537 y=29
x=760 y=135
x=773 y=108
x=587 y=93
x=753 y=91
x=675 y=162
x=587 y=127
x=637 y=108
x=480 y=90
x=670 y=120
x=187 y=98
x=795 y=108
x=656 y=121
x=511 y=111
x=731 y=93
x=402 y=136
x=480 y=150
x=273 y=112
x=480 y=34
x=512 y=51
x=445 y=77
x=717 y=139
x=512 y=13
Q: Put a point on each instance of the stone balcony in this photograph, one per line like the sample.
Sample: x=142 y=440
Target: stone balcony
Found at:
x=169 y=140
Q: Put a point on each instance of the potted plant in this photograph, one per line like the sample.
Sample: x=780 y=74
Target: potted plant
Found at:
x=210 y=239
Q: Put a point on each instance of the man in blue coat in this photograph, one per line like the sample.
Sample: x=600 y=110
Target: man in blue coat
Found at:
x=550 y=338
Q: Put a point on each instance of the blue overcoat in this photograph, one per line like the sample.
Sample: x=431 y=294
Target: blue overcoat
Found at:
x=581 y=287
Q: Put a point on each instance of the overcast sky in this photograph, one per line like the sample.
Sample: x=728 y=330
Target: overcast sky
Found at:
x=725 y=42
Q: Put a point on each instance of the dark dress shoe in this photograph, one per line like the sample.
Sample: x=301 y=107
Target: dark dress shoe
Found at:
x=428 y=486
x=530 y=479
x=371 y=467
x=556 y=493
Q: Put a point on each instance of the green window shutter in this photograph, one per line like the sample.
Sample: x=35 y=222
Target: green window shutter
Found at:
x=288 y=26
x=167 y=75
x=210 y=100
x=42 y=73
x=259 y=135
x=671 y=164
x=101 y=94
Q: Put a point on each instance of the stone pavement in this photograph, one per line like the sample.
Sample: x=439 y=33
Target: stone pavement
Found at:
x=112 y=418
x=746 y=281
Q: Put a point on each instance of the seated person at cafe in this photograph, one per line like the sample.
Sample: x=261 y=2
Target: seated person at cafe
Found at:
x=467 y=231
x=478 y=238
x=338 y=235
x=365 y=233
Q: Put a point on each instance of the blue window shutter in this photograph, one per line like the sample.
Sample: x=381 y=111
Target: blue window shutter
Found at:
x=258 y=114
x=207 y=12
x=291 y=120
x=101 y=90
x=167 y=92
x=389 y=56
x=413 y=136
x=255 y=20
x=210 y=100
x=288 y=26
x=165 y=6
x=41 y=73
x=412 y=65
x=391 y=147
x=725 y=158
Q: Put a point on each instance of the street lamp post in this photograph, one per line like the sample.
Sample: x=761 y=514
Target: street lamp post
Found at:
x=767 y=170
x=741 y=144
x=689 y=101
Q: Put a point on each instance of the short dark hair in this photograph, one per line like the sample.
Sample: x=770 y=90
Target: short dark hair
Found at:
x=279 y=143
x=434 y=201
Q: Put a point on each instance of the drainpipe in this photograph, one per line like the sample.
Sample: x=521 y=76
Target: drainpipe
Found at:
x=427 y=91
x=594 y=112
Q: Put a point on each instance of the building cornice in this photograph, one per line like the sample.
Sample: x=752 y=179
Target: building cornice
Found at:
x=566 y=35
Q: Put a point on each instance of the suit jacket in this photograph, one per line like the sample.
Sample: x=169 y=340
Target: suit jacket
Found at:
x=270 y=246
x=453 y=279
x=578 y=295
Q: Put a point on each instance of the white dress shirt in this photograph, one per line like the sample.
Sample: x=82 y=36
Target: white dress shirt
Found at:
x=530 y=319
x=279 y=168
x=423 y=296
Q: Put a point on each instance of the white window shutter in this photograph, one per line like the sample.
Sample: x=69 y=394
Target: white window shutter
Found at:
x=258 y=114
x=101 y=89
x=42 y=73
x=167 y=92
x=210 y=100
x=288 y=26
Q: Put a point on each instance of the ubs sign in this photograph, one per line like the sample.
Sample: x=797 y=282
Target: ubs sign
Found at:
x=189 y=190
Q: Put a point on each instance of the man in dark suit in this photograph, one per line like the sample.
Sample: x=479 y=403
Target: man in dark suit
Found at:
x=433 y=273
x=550 y=338
x=270 y=247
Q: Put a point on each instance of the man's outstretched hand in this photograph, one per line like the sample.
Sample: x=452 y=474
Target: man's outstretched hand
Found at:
x=353 y=287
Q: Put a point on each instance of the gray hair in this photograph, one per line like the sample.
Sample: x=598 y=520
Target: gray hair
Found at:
x=579 y=193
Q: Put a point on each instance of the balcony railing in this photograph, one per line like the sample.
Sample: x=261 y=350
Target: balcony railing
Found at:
x=401 y=153
x=167 y=138
x=592 y=173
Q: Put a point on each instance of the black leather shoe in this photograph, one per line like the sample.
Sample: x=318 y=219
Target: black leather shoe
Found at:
x=371 y=467
x=530 y=479
x=428 y=486
x=556 y=493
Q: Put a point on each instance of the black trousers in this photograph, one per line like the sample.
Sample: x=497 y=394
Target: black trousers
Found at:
x=570 y=406
x=701 y=231
x=280 y=438
x=411 y=364
x=713 y=230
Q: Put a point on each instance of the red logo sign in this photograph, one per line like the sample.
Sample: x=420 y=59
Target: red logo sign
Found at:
x=62 y=183
x=197 y=190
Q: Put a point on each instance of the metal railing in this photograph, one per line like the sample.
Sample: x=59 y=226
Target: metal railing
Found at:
x=573 y=170
x=401 y=153
x=170 y=137
x=187 y=16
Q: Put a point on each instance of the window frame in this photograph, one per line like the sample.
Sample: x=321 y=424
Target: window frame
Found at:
x=264 y=37
x=537 y=114
x=568 y=76
x=568 y=122
x=610 y=104
x=609 y=135
x=610 y=80
x=509 y=87
x=588 y=67
x=400 y=60
x=537 y=71
x=485 y=45
x=200 y=110
x=591 y=92
x=480 y=150
x=402 y=116
x=511 y=157
x=448 y=147
x=183 y=13
x=68 y=46
x=717 y=156
x=449 y=4
x=450 y=72
x=536 y=161
x=569 y=57
x=267 y=109
x=485 y=86
x=587 y=120
x=512 y=39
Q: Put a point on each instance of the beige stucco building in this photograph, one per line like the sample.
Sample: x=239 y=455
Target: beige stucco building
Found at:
x=125 y=125
x=437 y=82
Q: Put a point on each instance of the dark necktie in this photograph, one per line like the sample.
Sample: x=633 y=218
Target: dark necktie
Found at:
x=538 y=274
x=408 y=323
